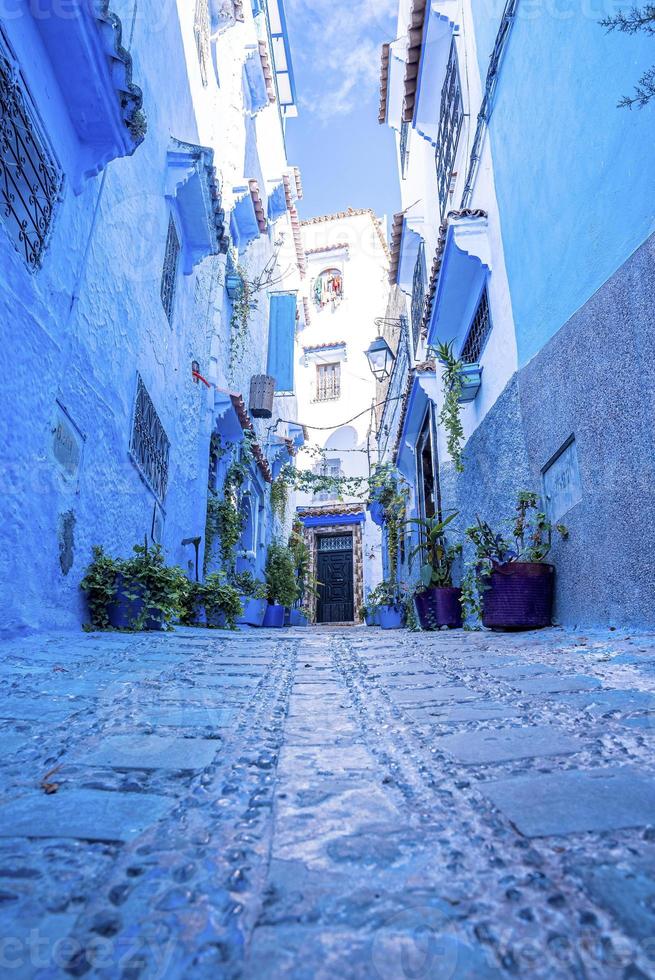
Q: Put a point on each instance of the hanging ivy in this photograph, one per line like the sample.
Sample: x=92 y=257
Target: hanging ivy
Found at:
x=225 y=519
x=450 y=416
x=279 y=498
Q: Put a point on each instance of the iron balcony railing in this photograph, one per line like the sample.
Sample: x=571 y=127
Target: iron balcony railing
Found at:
x=388 y=429
x=418 y=296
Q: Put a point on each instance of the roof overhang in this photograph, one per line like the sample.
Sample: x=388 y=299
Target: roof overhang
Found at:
x=410 y=243
x=462 y=266
x=331 y=515
x=421 y=392
x=231 y=420
x=258 y=84
x=94 y=73
x=277 y=200
x=244 y=222
x=395 y=85
x=192 y=183
x=326 y=353
x=438 y=29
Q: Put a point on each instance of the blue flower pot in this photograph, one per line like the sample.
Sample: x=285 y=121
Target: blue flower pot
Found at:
x=392 y=617
x=216 y=619
x=372 y=618
x=123 y=612
x=253 y=613
x=298 y=618
x=198 y=614
x=274 y=617
x=376 y=510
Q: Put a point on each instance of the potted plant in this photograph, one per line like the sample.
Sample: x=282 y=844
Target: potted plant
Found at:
x=369 y=613
x=221 y=600
x=509 y=585
x=136 y=593
x=281 y=585
x=390 y=600
x=438 y=602
x=194 y=605
x=305 y=580
x=253 y=599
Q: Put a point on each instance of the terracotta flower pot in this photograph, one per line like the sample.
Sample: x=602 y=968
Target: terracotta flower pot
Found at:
x=439 y=607
x=519 y=596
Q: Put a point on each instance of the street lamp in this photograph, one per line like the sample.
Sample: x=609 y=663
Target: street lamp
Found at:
x=380 y=358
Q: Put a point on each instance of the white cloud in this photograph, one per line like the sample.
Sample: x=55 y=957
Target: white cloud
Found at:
x=341 y=39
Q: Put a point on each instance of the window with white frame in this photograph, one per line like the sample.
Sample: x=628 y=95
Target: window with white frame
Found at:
x=330 y=468
x=30 y=179
x=328 y=382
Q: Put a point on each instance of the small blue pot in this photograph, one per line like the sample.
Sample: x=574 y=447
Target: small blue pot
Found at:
x=298 y=618
x=217 y=619
x=392 y=617
x=372 y=618
x=274 y=617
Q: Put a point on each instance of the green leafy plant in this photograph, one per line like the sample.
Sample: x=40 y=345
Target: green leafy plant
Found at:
x=389 y=593
x=437 y=554
x=450 y=415
x=225 y=517
x=221 y=597
x=247 y=585
x=305 y=579
x=99 y=584
x=145 y=576
x=388 y=488
x=282 y=587
x=279 y=498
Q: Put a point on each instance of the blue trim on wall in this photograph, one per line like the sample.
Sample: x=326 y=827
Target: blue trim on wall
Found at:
x=332 y=520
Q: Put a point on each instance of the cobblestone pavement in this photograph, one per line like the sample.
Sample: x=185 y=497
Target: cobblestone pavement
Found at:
x=317 y=803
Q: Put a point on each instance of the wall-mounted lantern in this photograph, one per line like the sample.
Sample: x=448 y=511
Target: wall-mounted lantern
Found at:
x=380 y=359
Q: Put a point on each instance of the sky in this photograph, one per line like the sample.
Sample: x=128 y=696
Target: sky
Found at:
x=346 y=158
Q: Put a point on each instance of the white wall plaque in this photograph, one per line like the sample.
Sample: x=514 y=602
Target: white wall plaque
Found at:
x=562 y=484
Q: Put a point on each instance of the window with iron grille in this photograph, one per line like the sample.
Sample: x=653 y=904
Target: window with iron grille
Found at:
x=30 y=180
x=478 y=332
x=418 y=295
x=404 y=148
x=169 y=274
x=450 y=127
x=328 y=382
x=149 y=445
x=202 y=31
x=342 y=543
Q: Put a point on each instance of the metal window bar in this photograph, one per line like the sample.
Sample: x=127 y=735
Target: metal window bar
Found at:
x=30 y=180
x=331 y=468
x=328 y=382
x=342 y=543
x=404 y=148
x=202 y=32
x=169 y=273
x=149 y=444
x=478 y=332
x=450 y=126
x=418 y=295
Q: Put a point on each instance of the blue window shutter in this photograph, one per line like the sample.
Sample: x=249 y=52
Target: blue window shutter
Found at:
x=281 y=340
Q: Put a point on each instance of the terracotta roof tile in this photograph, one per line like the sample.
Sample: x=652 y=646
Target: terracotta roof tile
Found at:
x=307 y=310
x=384 y=83
x=268 y=71
x=330 y=510
x=258 y=205
x=415 y=37
x=295 y=225
x=298 y=179
x=247 y=426
x=351 y=213
x=334 y=343
x=338 y=246
x=396 y=236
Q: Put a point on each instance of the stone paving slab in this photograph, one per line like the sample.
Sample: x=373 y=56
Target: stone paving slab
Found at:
x=626 y=890
x=187 y=717
x=432 y=695
x=471 y=711
x=556 y=684
x=502 y=745
x=575 y=801
x=516 y=671
x=39 y=709
x=85 y=814
x=151 y=752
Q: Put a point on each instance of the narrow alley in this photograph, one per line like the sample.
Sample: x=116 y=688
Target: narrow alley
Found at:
x=328 y=803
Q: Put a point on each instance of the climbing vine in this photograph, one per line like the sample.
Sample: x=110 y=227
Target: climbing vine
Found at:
x=246 y=301
x=225 y=517
x=279 y=498
x=450 y=417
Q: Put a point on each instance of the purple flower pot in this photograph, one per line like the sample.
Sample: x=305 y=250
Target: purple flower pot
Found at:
x=392 y=617
x=519 y=596
x=123 y=612
x=439 y=607
x=274 y=617
x=253 y=613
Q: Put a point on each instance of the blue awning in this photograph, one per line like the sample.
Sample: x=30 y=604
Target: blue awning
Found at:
x=331 y=520
x=244 y=226
x=465 y=267
x=422 y=392
x=255 y=88
x=281 y=340
x=277 y=201
x=191 y=182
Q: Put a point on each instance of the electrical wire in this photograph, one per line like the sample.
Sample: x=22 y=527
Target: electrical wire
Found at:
x=338 y=425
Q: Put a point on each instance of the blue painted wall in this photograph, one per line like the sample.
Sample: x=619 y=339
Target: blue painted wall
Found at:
x=575 y=175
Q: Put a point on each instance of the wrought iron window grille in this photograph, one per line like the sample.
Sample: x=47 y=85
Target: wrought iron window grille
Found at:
x=30 y=178
x=404 y=149
x=328 y=382
x=330 y=468
x=202 y=32
x=450 y=126
x=478 y=333
x=418 y=295
x=341 y=543
x=169 y=273
x=149 y=444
